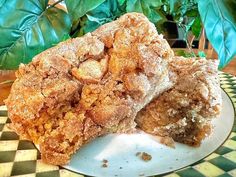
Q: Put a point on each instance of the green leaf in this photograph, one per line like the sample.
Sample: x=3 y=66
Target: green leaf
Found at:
x=201 y=54
x=148 y=7
x=219 y=20
x=184 y=53
x=78 y=8
x=189 y=25
x=121 y=2
x=174 y=5
x=2 y=2
x=134 y=6
x=29 y=28
x=181 y=9
x=193 y=12
x=178 y=7
x=196 y=27
x=105 y=12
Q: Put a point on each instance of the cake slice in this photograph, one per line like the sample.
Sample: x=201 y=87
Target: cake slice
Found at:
x=89 y=86
x=185 y=111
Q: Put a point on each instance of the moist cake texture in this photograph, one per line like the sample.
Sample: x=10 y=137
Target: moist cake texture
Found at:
x=185 y=111
x=89 y=86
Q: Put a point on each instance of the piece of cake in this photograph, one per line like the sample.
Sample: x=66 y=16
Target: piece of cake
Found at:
x=184 y=112
x=89 y=86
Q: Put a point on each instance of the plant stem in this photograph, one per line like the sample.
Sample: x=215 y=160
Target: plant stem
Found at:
x=189 y=46
x=6 y=82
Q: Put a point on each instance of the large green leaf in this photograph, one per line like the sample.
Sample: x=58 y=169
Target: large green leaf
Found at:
x=105 y=12
x=2 y=2
x=27 y=28
x=219 y=19
x=78 y=8
x=148 y=7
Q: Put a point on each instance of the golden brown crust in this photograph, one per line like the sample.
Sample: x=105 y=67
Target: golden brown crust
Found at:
x=88 y=86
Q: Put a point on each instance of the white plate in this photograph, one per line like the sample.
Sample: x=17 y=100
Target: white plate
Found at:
x=120 y=151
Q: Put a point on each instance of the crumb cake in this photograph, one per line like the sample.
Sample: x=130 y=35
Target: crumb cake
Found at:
x=89 y=86
x=185 y=111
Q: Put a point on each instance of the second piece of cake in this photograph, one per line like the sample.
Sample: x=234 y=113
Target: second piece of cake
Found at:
x=185 y=111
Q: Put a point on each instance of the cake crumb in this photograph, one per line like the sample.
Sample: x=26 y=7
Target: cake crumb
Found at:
x=144 y=156
x=168 y=141
x=104 y=165
x=105 y=161
x=138 y=153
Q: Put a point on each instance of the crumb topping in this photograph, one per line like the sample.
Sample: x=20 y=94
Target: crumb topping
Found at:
x=89 y=86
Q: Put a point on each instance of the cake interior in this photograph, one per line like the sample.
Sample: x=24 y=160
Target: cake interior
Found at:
x=185 y=111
